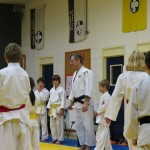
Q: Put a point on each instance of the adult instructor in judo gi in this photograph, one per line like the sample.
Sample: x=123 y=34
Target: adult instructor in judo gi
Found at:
x=81 y=102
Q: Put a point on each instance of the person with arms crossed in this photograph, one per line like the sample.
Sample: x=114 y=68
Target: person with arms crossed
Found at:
x=41 y=111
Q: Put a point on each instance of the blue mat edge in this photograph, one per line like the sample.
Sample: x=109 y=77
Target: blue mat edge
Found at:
x=73 y=143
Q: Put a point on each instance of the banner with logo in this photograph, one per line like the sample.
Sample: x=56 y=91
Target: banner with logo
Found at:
x=37 y=23
x=134 y=15
x=77 y=20
x=32 y=28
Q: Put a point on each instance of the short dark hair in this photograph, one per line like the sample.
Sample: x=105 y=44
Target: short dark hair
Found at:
x=147 y=59
x=56 y=78
x=105 y=82
x=77 y=57
x=13 y=53
x=41 y=80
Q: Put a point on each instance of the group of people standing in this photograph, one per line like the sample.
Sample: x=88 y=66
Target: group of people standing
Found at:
x=55 y=102
x=23 y=111
x=132 y=86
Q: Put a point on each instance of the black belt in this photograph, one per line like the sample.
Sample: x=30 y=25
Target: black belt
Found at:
x=144 y=120
x=79 y=99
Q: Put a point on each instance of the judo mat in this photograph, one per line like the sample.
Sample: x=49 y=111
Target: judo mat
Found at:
x=46 y=146
x=70 y=144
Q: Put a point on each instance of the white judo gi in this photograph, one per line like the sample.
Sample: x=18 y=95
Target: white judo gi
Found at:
x=122 y=90
x=139 y=107
x=102 y=134
x=42 y=112
x=82 y=84
x=14 y=93
x=34 y=129
x=56 y=102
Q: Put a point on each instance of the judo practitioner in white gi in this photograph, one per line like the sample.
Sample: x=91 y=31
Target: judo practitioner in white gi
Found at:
x=134 y=74
x=41 y=111
x=80 y=96
x=32 y=105
x=56 y=106
x=103 y=134
x=138 y=127
x=14 y=93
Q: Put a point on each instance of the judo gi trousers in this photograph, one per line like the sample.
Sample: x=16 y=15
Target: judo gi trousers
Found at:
x=84 y=126
x=131 y=147
x=145 y=147
x=14 y=135
x=103 y=138
x=57 y=128
x=35 y=142
x=42 y=121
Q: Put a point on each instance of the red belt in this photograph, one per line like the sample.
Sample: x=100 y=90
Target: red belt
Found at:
x=5 y=109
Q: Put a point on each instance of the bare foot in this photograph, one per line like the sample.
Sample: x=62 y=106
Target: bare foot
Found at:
x=83 y=147
x=89 y=148
x=58 y=142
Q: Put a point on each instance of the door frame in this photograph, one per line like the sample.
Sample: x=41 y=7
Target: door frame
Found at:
x=143 y=47
x=111 y=52
x=44 y=61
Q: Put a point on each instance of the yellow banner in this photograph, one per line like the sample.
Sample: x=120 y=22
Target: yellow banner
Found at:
x=134 y=15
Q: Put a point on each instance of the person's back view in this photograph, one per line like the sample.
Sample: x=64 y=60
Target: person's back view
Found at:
x=138 y=127
x=14 y=93
x=32 y=105
x=125 y=82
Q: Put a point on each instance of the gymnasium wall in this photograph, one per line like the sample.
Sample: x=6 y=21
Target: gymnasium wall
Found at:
x=104 y=26
x=10 y=29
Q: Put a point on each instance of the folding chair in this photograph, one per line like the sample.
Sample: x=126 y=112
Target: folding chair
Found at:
x=72 y=123
x=65 y=126
x=65 y=116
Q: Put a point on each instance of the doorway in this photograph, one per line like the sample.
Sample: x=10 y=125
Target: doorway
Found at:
x=47 y=73
x=114 y=67
x=46 y=70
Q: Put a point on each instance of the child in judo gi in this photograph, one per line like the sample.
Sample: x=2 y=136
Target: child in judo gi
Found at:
x=14 y=94
x=135 y=72
x=32 y=105
x=41 y=110
x=56 y=106
x=103 y=135
x=138 y=127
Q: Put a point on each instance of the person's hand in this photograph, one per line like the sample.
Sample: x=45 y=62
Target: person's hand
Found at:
x=61 y=112
x=134 y=142
x=85 y=107
x=96 y=114
x=108 y=121
x=86 y=103
x=70 y=107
